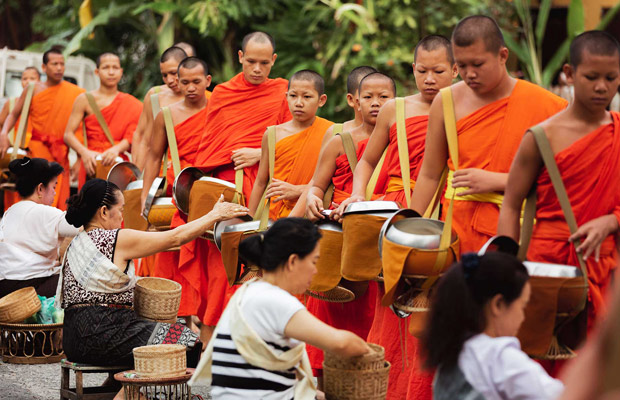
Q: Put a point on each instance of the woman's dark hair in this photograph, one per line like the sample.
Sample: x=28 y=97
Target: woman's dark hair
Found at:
x=95 y=193
x=272 y=248
x=457 y=305
x=30 y=172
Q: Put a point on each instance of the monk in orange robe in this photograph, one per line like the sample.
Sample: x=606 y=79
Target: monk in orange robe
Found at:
x=189 y=118
x=492 y=111
x=433 y=70
x=585 y=140
x=120 y=112
x=356 y=316
x=298 y=143
x=49 y=112
x=232 y=141
x=30 y=74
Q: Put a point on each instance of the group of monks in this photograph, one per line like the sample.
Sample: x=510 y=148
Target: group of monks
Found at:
x=492 y=169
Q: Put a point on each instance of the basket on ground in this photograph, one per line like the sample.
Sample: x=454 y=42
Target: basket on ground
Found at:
x=19 y=305
x=157 y=299
x=160 y=361
x=361 y=378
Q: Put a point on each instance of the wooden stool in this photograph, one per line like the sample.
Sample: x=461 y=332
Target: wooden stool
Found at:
x=79 y=392
x=154 y=388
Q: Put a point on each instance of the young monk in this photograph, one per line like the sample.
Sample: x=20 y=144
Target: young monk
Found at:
x=120 y=111
x=492 y=111
x=232 y=141
x=585 y=139
x=188 y=117
x=375 y=90
x=433 y=69
x=166 y=94
x=50 y=109
x=298 y=143
x=30 y=74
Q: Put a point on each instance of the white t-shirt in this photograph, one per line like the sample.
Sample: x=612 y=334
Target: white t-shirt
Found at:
x=267 y=309
x=498 y=369
x=30 y=236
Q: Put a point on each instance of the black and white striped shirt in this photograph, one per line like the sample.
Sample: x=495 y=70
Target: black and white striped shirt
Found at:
x=267 y=309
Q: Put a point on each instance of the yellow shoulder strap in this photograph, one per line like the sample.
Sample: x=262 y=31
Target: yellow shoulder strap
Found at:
x=374 y=178
x=172 y=141
x=262 y=212
x=100 y=119
x=155 y=108
x=349 y=149
x=403 y=148
x=449 y=118
x=329 y=192
x=337 y=128
x=12 y=131
x=23 y=121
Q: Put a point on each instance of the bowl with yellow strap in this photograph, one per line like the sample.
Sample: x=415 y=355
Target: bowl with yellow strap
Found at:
x=158 y=208
x=126 y=176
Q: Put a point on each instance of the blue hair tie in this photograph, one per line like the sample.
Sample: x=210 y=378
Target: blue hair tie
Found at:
x=471 y=262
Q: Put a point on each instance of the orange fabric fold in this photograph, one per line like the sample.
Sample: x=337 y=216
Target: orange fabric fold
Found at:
x=589 y=169
x=49 y=113
x=296 y=158
x=238 y=115
x=122 y=118
x=488 y=139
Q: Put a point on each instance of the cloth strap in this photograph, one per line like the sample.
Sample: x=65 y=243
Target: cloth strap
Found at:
x=172 y=141
x=262 y=212
x=93 y=270
x=12 y=131
x=560 y=190
x=256 y=352
x=349 y=149
x=23 y=121
x=374 y=178
x=155 y=108
x=403 y=148
x=100 y=119
x=329 y=193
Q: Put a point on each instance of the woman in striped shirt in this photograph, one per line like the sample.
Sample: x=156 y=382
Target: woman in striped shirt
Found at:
x=258 y=348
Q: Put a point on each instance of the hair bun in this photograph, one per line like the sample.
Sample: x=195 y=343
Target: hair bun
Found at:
x=22 y=166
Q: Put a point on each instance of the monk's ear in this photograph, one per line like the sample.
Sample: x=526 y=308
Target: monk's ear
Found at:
x=455 y=71
x=351 y=100
x=503 y=55
x=208 y=81
x=322 y=100
x=273 y=58
x=240 y=53
x=413 y=67
x=570 y=73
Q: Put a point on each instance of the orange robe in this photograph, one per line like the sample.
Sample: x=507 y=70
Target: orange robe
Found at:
x=355 y=316
x=296 y=158
x=49 y=112
x=590 y=171
x=122 y=118
x=239 y=113
x=416 y=137
x=188 y=134
x=488 y=139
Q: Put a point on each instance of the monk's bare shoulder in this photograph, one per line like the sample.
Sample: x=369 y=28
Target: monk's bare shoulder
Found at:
x=39 y=87
x=334 y=147
x=416 y=106
x=459 y=90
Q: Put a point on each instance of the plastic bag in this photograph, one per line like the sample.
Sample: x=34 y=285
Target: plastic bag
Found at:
x=48 y=314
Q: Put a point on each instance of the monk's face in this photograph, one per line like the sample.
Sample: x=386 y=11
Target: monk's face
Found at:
x=193 y=82
x=481 y=69
x=595 y=80
x=29 y=75
x=304 y=100
x=433 y=71
x=257 y=60
x=373 y=94
x=55 y=67
x=169 y=74
x=109 y=71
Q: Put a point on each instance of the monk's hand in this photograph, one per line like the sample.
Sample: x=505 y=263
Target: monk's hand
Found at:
x=89 y=161
x=4 y=144
x=478 y=181
x=109 y=156
x=75 y=171
x=314 y=207
x=279 y=190
x=245 y=157
x=594 y=231
x=339 y=211
x=223 y=210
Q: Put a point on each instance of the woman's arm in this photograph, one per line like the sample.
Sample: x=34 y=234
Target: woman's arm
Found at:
x=307 y=328
x=132 y=244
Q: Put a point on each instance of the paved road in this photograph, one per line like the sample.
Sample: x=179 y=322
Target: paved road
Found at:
x=42 y=382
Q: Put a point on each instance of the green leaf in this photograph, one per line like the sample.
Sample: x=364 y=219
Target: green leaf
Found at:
x=541 y=21
x=556 y=62
x=611 y=13
x=158 y=7
x=519 y=48
x=575 y=21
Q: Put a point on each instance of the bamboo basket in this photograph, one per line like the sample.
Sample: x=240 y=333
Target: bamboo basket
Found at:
x=160 y=361
x=157 y=299
x=19 y=305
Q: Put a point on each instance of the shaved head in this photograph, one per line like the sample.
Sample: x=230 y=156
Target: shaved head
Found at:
x=594 y=42
x=107 y=54
x=258 y=37
x=434 y=42
x=33 y=69
x=309 y=76
x=53 y=50
x=173 y=53
x=471 y=29
x=378 y=76
x=187 y=48
x=193 y=62
x=355 y=77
